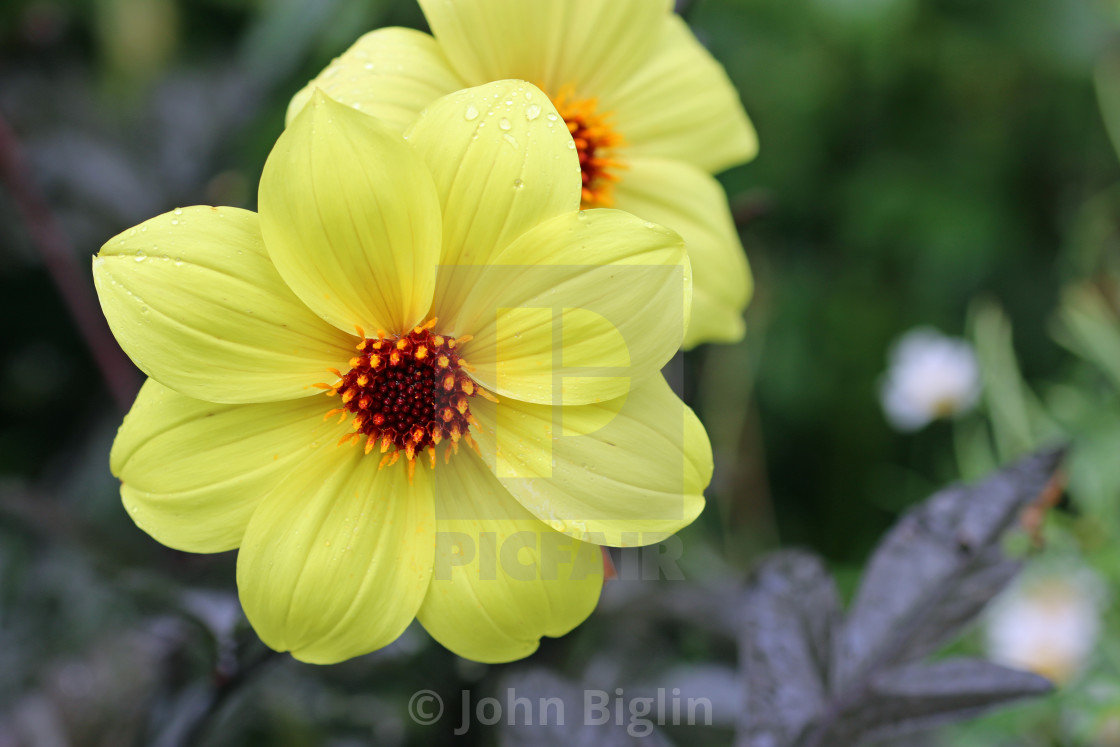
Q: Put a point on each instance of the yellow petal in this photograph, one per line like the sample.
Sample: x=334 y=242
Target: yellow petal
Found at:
x=681 y=104
x=390 y=73
x=336 y=560
x=692 y=203
x=589 y=44
x=351 y=219
x=502 y=579
x=503 y=162
x=192 y=472
x=614 y=287
x=194 y=300
x=622 y=473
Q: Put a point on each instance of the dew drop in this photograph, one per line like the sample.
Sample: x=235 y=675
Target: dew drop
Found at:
x=178 y=211
x=174 y=222
x=504 y=123
x=472 y=113
x=518 y=184
x=532 y=112
x=140 y=256
x=511 y=140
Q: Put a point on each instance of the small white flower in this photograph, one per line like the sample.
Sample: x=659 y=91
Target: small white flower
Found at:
x=930 y=376
x=1048 y=624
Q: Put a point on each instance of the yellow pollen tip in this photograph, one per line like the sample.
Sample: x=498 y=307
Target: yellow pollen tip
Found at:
x=443 y=361
x=462 y=340
x=355 y=362
x=438 y=341
x=411 y=469
x=472 y=443
x=321 y=385
x=361 y=332
x=421 y=353
x=432 y=457
x=449 y=382
x=347 y=396
x=369 y=444
x=467 y=386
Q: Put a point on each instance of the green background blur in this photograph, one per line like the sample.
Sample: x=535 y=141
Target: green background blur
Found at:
x=922 y=162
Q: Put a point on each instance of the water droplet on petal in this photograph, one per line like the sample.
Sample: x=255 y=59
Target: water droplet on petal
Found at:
x=504 y=123
x=511 y=140
x=140 y=256
x=532 y=112
x=518 y=184
x=471 y=113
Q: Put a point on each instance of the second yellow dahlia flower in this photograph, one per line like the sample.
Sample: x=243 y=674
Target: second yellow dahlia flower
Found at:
x=651 y=113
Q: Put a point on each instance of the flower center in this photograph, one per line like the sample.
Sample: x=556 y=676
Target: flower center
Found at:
x=595 y=140
x=407 y=393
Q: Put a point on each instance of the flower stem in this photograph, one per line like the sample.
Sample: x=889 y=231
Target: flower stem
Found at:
x=61 y=264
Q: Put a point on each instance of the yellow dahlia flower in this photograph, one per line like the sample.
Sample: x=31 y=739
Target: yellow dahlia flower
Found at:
x=416 y=384
x=651 y=113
